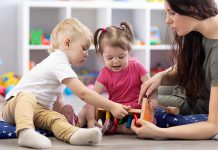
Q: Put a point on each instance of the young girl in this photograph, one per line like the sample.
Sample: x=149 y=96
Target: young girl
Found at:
x=121 y=77
x=29 y=104
x=196 y=70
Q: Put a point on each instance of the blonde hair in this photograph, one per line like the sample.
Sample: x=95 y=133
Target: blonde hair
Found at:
x=70 y=27
x=115 y=36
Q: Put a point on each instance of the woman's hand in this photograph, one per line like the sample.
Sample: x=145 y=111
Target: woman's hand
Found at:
x=150 y=85
x=145 y=129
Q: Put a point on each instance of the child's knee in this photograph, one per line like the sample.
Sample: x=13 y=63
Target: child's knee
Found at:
x=26 y=97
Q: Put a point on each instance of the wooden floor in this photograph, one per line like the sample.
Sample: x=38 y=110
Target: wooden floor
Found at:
x=124 y=142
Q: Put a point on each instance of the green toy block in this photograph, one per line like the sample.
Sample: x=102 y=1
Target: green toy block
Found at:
x=36 y=37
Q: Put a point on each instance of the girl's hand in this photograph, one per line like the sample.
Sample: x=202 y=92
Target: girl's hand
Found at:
x=149 y=86
x=119 y=110
x=145 y=129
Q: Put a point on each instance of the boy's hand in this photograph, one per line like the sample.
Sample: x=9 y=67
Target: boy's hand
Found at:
x=118 y=110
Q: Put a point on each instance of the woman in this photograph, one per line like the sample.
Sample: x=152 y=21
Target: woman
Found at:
x=195 y=24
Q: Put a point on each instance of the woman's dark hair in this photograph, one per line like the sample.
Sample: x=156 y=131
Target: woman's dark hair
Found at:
x=114 y=36
x=187 y=50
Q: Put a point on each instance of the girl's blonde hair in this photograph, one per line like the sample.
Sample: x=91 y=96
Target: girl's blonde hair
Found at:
x=114 y=36
x=71 y=28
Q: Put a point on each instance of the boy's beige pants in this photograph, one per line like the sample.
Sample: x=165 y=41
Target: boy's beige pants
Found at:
x=24 y=111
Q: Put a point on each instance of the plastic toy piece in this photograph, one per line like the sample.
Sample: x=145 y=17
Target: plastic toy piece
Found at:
x=36 y=37
x=2 y=90
x=128 y=122
x=9 y=79
x=68 y=91
x=115 y=121
x=107 y=122
x=135 y=118
x=108 y=115
x=120 y=121
x=45 y=41
x=147 y=114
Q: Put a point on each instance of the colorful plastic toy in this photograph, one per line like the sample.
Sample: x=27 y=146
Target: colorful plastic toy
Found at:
x=68 y=91
x=128 y=122
x=155 y=36
x=45 y=40
x=9 y=79
x=31 y=64
x=36 y=37
x=2 y=90
x=145 y=113
x=8 y=89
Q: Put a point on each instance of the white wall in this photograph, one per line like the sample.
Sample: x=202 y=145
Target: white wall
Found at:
x=8 y=35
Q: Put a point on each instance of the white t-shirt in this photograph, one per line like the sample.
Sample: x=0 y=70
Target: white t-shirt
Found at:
x=45 y=79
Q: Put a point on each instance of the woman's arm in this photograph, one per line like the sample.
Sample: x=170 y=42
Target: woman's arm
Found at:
x=201 y=130
x=166 y=77
x=90 y=110
x=154 y=95
x=169 y=76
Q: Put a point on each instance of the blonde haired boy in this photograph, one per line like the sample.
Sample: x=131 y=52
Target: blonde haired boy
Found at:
x=30 y=103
